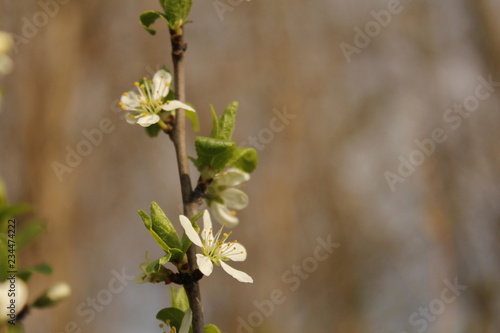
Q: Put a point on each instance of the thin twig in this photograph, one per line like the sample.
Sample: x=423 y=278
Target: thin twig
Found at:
x=189 y=201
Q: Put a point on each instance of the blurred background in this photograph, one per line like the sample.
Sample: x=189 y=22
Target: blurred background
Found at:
x=377 y=131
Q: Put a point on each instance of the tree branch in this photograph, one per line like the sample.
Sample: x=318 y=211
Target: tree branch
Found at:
x=189 y=202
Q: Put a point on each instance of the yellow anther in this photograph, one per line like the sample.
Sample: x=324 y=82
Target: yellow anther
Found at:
x=136 y=84
x=124 y=107
x=125 y=94
x=161 y=325
x=167 y=84
x=233 y=212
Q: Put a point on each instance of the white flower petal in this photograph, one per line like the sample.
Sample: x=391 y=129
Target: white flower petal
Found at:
x=236 y=253
x=204 y=264
x=6 y=64
x=131 y=118
x=232 y=177
x=207 y=226
x=21 y=297
x=161 y=82
x=223 y=215
x=148 y=120
x=238 y=275
x=130 y=100
x=234 y=198
x=186 y=321
x=174 y=105
x=190 y=232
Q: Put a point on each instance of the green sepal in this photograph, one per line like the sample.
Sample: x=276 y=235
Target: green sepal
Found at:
x=212 y=329
x=176 y=12
x=186 y=242
x=179 y=298
x=25 y=274
x=150 y=17
x=173 y=315
x=245 y=159
x=153 y=130
x=213 y=153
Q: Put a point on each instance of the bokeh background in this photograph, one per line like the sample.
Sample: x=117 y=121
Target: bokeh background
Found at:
x=322 y=174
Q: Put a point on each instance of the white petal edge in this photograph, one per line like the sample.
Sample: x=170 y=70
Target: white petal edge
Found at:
x=148 y=120
x=238 y=275
x=238 y=252
x=186 y=321
x=189 y=230
x=234 y=198
x=223 y=215
x=174 y=105
x=204 y=264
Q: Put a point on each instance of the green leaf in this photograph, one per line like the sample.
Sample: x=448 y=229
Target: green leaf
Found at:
x=153 y=130
x=150 y=17
x=226 y=122
x=215 y=123
x=149 y=226
x=25 y=274
x=155 y=266
x=213 y=153
x=212 y=329
x=173 y=315
x=179 y=298
x=245 y=159
x=30 y=232
x=163 y=227
x=193 y=117
x=14 y=210
x=176 y=12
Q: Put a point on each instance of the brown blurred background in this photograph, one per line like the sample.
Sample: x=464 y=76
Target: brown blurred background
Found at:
x=321 y=173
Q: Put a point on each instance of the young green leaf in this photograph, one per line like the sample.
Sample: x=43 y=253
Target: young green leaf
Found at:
x=177 y=12
x=30 y=232
x=213 y=153
x=162 y=226
x=227 y=121
x=193 y=118
x=153 y=130
x=173 y=315
x=215 y=123
x=149 y=226
x=179 y=298
x=25 y=274
x=149 y=17
x=245 y=159
x=212 y=329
